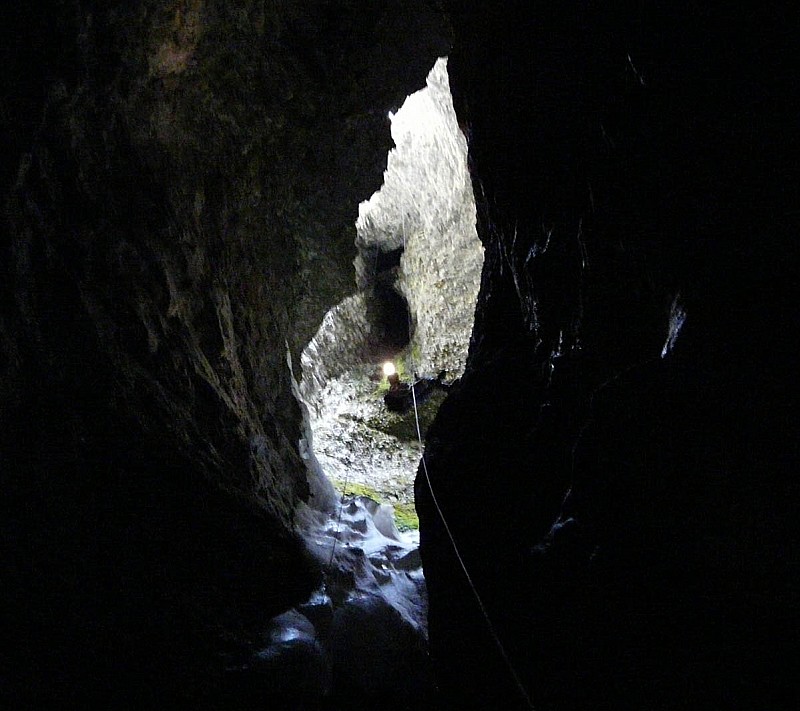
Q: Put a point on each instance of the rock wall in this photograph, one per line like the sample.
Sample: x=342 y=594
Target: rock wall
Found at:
x=426 y=208
x=621 y=487
x=180 y=185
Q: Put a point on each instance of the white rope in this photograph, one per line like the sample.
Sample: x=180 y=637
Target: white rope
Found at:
x=339 y=519
x=498 y=643
x=347 y=475
x=492 y=631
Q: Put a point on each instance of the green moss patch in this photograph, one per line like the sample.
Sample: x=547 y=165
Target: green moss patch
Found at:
x=405 y=515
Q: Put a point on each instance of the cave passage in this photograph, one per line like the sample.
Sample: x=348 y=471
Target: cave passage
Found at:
x=386 y=259
x=393 y=317
x=387 y=307
x=417 y=273
x=205 y=501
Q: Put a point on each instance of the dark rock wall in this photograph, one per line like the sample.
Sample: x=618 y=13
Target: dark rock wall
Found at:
x=627 y=518
x=181 y=181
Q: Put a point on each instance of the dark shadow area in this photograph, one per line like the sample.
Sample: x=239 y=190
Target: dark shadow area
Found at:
x=642 y=549
x=175 y=211
x=387 y=259
x=388 y=311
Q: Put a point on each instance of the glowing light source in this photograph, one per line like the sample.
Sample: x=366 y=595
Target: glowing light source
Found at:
x=388 y=368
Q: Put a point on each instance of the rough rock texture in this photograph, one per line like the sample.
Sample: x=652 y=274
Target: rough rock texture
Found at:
x=345 y=340
x=639 y=165
x=417 y=275
x=359 y=641
x=180 y=182
x=419 y=257
x=355 y=442
x=426 y=208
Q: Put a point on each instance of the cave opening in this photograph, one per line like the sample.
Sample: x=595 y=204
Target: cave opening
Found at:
x=385 y=259
x=179 y=214
x=387 y=309
x=417 y=273
x=394 y=319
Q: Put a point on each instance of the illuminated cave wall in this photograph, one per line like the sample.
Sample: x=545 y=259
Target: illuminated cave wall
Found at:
x=424 y=215
x=426 y=206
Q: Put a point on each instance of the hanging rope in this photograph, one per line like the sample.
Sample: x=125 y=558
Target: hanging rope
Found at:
x=482 y=607
x=339 y=519
x=490 y=626
x=347 y=475
x=492 y=631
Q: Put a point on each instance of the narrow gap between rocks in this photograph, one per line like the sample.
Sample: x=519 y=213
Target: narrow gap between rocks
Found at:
x=417 y=274
x=417 y=277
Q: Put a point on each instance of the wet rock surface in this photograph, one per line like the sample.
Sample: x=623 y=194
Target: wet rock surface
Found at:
x=361 y=638
x=640 y=551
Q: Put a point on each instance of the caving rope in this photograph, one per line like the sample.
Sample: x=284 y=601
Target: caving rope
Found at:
x=347 y=473
x=489 y=624
x=484 y=612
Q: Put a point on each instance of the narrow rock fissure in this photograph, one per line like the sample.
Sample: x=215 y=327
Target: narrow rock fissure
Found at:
x=417 y=274
x=215 y=333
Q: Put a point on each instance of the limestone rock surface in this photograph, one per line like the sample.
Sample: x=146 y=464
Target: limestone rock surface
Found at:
x=180 y=181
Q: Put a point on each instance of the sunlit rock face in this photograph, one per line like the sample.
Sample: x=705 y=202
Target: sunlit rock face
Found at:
x=417 y=276
x=628 y=412
x=342 y=342
x=417 y=239
x=426 y=206
x=180 y=181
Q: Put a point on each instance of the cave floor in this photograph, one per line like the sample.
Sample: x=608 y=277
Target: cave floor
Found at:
x=360 y=444
x=364 y=448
